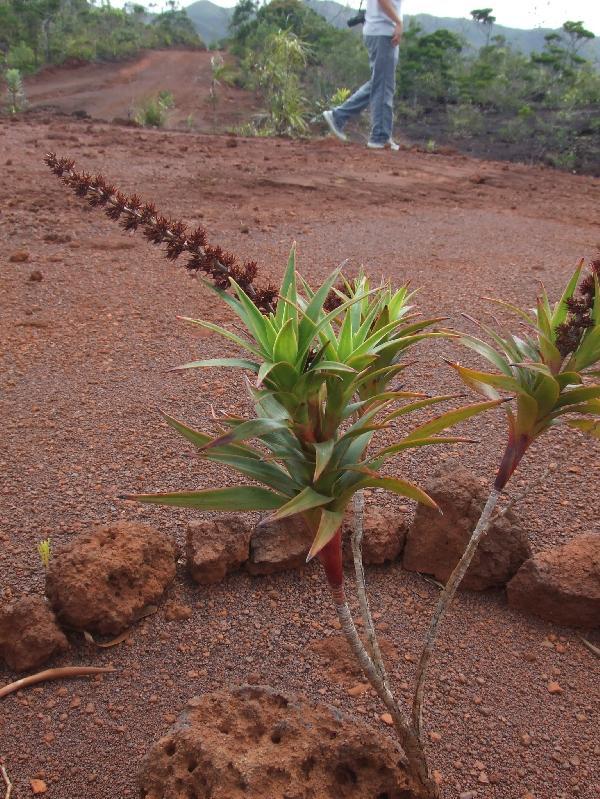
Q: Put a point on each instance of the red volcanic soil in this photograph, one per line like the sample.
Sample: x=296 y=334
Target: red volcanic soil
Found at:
x=85 y=357
x=114 y=90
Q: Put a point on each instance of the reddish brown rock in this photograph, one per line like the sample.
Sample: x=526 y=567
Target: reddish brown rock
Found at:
x=19 y=257
x=103 y=579
x=258 y=742
x=435 y=541
x=279 y=546
x=562 y=584
x=216 y=547
x=384 y=534
x=29 y=634
x=177 y=611
x=283 y=545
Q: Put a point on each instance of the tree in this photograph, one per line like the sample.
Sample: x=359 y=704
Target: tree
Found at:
x=577 y=35
x=484 y=17
x=243 y=14
x=426 y=66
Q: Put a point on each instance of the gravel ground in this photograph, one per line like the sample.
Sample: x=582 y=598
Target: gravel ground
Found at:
x=85 y=352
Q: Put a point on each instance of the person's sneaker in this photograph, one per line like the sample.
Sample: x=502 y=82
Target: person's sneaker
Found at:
x=328 y=117
x=377 y=145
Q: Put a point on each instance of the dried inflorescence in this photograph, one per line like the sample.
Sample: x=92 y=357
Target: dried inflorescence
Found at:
x=130 y=212
x=569 y=334
x=333 y=299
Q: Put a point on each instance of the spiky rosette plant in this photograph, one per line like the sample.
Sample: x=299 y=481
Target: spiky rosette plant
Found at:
x=547 y=369
x=321 y=391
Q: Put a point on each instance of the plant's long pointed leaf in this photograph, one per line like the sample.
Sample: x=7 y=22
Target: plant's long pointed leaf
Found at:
x=529 y=318
x=305 y=500
x=222 y=331
x=253 y=428
x=419 y=442
x=451 y=418
x=565 y=379
x=560 y=309
x=285 y=347
x=588 y=426
x=229 y=363
x=256 y=323
x=393 y=484
x=487 y=352
x=323 y=452
x=328 y=526
x=288 y=286
x=577 y=395
x=200 y=439
x=414 y=406
x=262 y=471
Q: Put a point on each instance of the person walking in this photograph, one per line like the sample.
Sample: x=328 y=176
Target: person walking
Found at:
x=382 y=33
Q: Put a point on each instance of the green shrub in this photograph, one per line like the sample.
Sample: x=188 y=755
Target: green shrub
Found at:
x=21 y=57
x=464 y=120
x=278 y=68
x=153 y=112
x=14 y=91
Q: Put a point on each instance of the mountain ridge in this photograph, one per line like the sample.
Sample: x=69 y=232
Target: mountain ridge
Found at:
x=212 y=23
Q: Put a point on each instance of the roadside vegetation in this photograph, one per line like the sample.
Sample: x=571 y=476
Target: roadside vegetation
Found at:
x=493 y=101
x=36 y=33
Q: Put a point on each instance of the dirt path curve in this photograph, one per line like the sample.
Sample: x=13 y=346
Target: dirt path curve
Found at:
x=84 y=357
x=113 y=90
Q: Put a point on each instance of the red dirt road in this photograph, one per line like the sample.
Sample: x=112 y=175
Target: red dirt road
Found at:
x=85 y=353
x=114 y=90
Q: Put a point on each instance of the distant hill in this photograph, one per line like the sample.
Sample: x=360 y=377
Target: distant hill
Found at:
x=211 y=21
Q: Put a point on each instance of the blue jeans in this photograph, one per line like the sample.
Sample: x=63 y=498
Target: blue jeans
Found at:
x=378 y=92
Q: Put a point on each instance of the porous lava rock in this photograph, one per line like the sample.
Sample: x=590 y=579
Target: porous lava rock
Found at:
x=215 y=547
x=279 y=546
x=103 y=579
x=260 y=743
x=384 y=534
x=436 y=541
x=283 y=545
x=29 y=634
x=562 y=584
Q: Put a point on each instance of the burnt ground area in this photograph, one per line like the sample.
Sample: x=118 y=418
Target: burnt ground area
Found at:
x=85 y=357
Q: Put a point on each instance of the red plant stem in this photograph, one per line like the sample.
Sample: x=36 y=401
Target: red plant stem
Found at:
x=331 y=559
x=515 y=449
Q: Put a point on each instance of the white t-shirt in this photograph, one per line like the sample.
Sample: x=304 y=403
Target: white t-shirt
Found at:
x=377 y=22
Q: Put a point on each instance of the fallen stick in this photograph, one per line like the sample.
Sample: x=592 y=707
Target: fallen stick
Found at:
x=593 y=649
x=53 y=674
x=7 y=782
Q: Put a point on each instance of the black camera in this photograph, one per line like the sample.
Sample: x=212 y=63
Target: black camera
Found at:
x=357 y=19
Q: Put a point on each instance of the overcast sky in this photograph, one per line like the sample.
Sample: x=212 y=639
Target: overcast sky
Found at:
x=512 y=13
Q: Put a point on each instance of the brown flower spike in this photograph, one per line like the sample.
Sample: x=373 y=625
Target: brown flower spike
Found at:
x=130 y=212
x=569 y=334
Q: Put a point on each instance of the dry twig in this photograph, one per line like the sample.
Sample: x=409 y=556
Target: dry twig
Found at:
x=588 y=644
x=7 y=782
x=361 y=587
x=53 y=674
